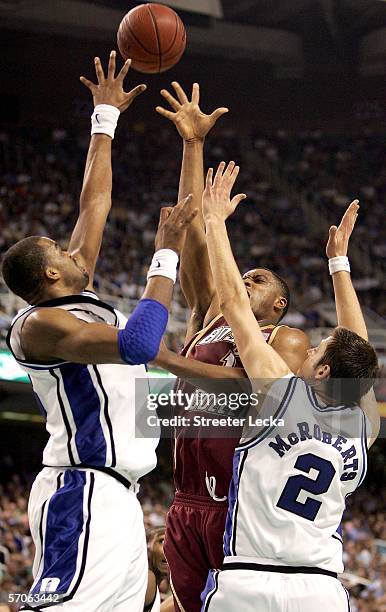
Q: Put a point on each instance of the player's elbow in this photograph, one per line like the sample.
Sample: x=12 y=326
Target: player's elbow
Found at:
x=139 y=342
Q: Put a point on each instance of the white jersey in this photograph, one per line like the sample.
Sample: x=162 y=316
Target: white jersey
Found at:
x=289 y=484
x=89 y=409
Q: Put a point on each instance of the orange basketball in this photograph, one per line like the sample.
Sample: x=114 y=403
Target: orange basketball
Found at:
x=153 y=36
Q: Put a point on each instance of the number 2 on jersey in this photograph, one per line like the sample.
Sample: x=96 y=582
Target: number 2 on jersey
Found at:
x=310 y=508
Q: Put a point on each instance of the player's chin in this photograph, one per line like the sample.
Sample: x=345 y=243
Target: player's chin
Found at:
x=163 y=566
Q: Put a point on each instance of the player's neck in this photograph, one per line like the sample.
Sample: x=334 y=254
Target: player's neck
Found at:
x=58 y=292
x=265 y=322
x=323 y=396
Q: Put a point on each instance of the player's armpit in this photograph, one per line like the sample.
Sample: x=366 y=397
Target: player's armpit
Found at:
x=292 y=345
x=51 y=333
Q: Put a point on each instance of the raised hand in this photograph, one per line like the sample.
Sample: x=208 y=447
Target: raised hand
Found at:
x=110 y=90
x=173 y=224
x=191 y=123
x=216 y=199
x=338 y=237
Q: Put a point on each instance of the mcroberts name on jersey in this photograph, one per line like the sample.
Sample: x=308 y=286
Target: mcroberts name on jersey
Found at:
x=291 y=485
x=345 y=448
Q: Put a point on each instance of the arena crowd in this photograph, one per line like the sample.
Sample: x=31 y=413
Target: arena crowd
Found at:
x=364 y=527
x=41 y=179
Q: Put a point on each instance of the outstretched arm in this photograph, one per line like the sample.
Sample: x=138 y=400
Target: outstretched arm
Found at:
x=259 y=359
x=95 y=198
x=348 y=311
x=54 y=334
x=195 y=274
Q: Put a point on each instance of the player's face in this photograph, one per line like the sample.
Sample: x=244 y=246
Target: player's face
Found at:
x=157 y=547
x=310 y=369
x=69 y=268
x=263 y=292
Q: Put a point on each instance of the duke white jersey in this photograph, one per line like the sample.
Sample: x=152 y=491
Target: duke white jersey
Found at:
x=89 y=409
x=290 y=482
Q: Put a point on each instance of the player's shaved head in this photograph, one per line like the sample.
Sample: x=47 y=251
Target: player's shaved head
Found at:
x=23 y=268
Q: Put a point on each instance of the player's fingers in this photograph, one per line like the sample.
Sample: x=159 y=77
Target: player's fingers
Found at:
x=189 y=218
x=136 y=91
x=219 y=173
x=350 y=211
x=164 y=214
x=99 y=71
x=217 y=113
x=237 y=199
x=181 y=206
x=123 y=71
x=165 y=113
x=209 y=179
x=196 y=93
x=332 y=231
x=111 y=67
x=88 y=83
x=229 y=169
x=181 y=95
x=170 y=99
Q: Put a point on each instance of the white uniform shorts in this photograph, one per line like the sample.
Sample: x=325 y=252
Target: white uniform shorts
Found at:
x=90 y=543
x=246 y=590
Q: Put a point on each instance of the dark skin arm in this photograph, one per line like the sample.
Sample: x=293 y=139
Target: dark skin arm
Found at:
x=95 y=198
x=52 y=333
x=195 y=274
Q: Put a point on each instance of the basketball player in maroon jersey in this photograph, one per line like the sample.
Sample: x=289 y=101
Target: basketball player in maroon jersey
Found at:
x=203 y=465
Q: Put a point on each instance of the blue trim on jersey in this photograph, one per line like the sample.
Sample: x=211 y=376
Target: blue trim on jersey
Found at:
x=327 y=408
x=64 y=526
x=38 y=401
x=211 y=587
x=287 y=396
x=348 y=598
x=232 y=501
x=86 y=408
x=364 y=450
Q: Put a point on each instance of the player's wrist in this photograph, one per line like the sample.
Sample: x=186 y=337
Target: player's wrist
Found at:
x=104 y=119
x=339 y=263
x=164 y=263
x=194 y=141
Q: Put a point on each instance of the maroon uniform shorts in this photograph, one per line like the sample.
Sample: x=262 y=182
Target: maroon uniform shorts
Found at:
x=193 y=545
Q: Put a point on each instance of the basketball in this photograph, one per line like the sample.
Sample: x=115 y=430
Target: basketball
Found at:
x=153 y=36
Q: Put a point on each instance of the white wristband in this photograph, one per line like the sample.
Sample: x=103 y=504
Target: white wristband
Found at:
x=104 y=119
x=164 y=263
x=339 y=264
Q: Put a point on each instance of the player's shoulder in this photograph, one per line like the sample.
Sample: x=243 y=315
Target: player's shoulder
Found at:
x=42 y=320
x=290 y=336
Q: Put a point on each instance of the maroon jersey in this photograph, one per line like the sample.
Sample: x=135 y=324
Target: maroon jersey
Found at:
x=202 y=464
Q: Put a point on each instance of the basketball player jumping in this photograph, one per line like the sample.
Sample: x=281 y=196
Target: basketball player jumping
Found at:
x=83 y=358
x=202 y=464
x=282 y=543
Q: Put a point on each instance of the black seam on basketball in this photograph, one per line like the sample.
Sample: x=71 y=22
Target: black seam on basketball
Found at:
x=140 y=44
x=157 y=35
x=175 y=36
x=141 y=61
